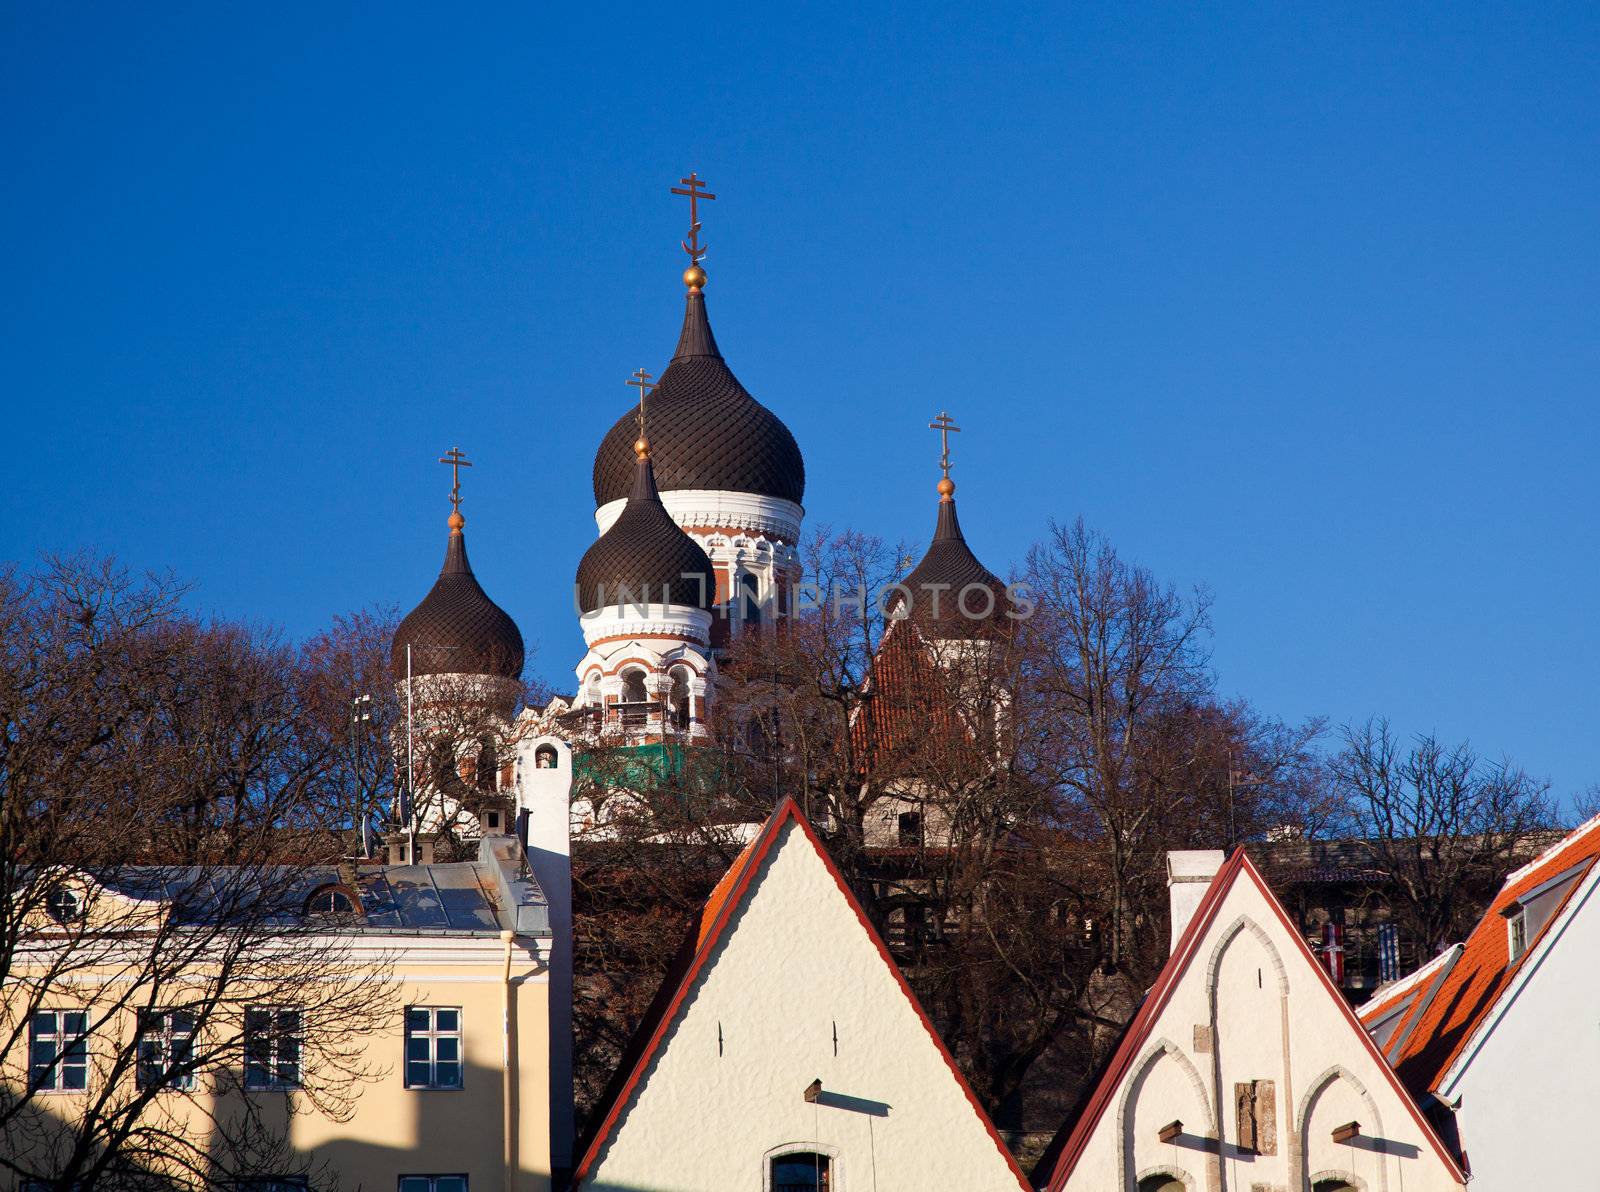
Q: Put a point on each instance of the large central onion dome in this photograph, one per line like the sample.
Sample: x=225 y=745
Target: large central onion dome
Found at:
x=644 y=558
x=457 y=629
x=705 y=428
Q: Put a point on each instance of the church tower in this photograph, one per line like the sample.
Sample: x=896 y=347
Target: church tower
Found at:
x=457 y=665
x=728 y=470
x=645 y=592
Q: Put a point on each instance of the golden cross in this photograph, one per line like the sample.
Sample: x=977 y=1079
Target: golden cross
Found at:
x=945 y=427
x=641 y=379
x=457 y=460
x=692 y=187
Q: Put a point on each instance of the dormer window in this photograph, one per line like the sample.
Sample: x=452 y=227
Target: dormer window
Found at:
x=63 y=904
x=1516 y=933
x=331 y=902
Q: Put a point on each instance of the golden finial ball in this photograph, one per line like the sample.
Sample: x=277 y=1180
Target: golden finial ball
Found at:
x=456 y=520
x=694 y=277
x=947 y=488
x=641 y=447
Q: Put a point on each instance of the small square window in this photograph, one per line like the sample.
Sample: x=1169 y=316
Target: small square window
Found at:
x=58 y=1051
x=433 y=1050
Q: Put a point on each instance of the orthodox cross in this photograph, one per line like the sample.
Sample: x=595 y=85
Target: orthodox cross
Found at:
x=641 y=380
x=692 y=187
x=457 y=460
x=945 y=427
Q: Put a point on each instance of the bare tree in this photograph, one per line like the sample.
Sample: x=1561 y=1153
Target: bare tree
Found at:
x=1442 y=824
x=161 y=853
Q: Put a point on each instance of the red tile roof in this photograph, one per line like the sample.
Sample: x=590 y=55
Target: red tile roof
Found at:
x=907 y=703
x=1067 y=1148
x=1473 y=986
x=721 y=908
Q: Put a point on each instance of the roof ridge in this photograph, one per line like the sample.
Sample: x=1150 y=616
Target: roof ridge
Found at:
x=1571 y=838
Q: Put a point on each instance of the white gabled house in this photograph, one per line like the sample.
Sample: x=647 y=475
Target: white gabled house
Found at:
x=1245 y=1069
x=786 y=1052
x=1498 y=1036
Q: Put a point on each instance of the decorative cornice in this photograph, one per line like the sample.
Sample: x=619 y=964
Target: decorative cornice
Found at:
x=708 y=509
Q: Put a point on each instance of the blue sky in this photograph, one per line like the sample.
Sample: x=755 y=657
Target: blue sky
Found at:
x=1295 y=301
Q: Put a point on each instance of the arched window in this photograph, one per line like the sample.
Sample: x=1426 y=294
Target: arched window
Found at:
x=487 y=770
x=1161 y=1183
x=1334 y=1185
x=633 y=686
x=545 y=757
x=802 y=1171
x=592 y=691
x=749 y=599
x=678 y=699
x=331 y=900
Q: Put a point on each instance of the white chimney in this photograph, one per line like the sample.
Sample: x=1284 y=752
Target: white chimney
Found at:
x=544 y=802
x=1189 y=872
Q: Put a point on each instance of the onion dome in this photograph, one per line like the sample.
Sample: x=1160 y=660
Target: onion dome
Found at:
x=644 y=558
x=944 y=586
x=706 y=429
x=457 y=629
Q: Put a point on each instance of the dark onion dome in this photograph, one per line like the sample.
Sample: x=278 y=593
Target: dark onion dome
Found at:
x=644 y=558
x=457 y=629
x=706 y=431
x=949 y=569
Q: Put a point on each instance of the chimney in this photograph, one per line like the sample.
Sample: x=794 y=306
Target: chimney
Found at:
x=544 y=821
x=1189 y=872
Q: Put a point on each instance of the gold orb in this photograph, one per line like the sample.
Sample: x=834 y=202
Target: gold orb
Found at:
x=641 y=447
x=694 y=277
x=947 y=487
x=456 y=520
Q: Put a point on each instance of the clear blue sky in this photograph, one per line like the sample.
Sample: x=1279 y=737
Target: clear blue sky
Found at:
x=1298 y=301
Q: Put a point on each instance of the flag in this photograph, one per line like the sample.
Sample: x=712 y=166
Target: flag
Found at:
x=1333 y=950
x=1388 y=952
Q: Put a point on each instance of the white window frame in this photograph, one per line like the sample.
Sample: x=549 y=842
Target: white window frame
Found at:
x=433 y=1034
x=64 y=1043
x=167 y=1038
x=1516 y=935
x=276 y=1035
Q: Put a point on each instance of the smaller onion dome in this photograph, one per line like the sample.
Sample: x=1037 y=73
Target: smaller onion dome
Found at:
x=457 y=629
x=644 y=558
x=944 y=586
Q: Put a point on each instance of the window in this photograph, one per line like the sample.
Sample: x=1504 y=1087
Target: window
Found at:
x=678 y=698
x=63 y=904
x=633 y=686
x=433 y=1183
x=331 y=900
x=271 y=1048
x=801 y=1171
x=749 y=600
x=1517 y=934
x=166 y=1046
x=486 y=771
x=58 y=1051
x=274 y=1183
x=544 y=757
x=1161 y=1183
x=433 y=1051
x=910 y=825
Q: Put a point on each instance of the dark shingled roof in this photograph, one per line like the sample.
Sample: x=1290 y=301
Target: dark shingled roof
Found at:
x=706 y=431
x=945 y=572
x=645 y=556
x=457 y=629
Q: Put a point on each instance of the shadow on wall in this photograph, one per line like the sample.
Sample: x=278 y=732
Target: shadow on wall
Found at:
x=437 y=1132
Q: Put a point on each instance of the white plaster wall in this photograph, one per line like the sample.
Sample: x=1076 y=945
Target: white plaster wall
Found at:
x=795 y=965
x=1529 y=1088
x=1245 y=946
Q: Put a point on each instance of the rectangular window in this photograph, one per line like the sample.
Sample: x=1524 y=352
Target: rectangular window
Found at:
x=433 y=1051
x=433 y=1183
x=1517 y=926
x=166 y=1047
x=910 y=825
x=58 y=1051
x=271 y=1048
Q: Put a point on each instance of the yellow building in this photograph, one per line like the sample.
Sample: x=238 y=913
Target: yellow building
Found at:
x=397 y=1036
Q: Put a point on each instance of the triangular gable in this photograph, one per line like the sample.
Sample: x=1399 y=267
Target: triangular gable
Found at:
x=1467 y=997
x=696 y=958
x=1068 y=1148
